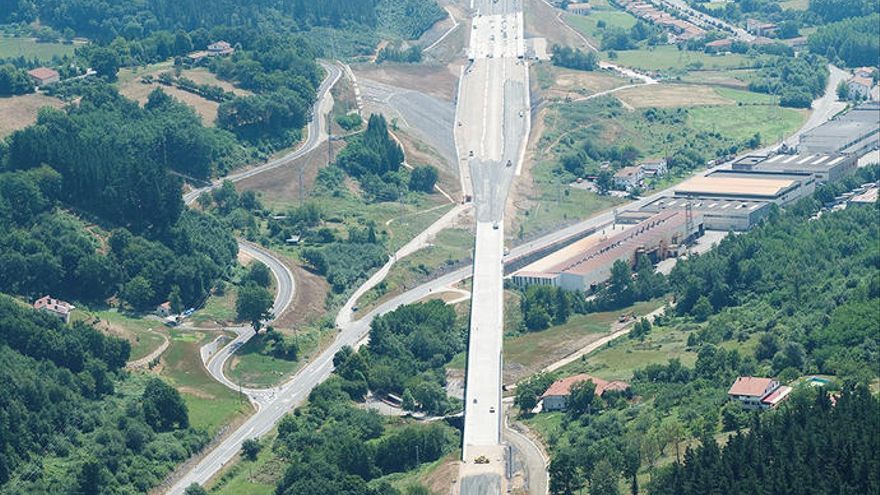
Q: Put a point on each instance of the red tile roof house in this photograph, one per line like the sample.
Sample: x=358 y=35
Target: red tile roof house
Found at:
x=758 y=393
x=55 y=307
x=43 y=76
x=556 y=396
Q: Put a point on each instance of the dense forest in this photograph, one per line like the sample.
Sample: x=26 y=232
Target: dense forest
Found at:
x=812 y=446
x=796 y=81
x=71 y=421
x=406 y=355
x=46 y=250
x=853 y=41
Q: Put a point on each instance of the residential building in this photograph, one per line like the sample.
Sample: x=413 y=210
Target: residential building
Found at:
x=220 y=48
x=755 y=393
x=44 y=76
x=719 y=46
x=860 y=87
x=579 y=8
x=654 y=168
x=555 y=398
x=164 y=309
x=628 y=178
x=760 y=28
x=55 y=307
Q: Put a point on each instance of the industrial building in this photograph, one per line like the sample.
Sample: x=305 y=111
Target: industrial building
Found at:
x=658 y=237
x=718 y=214
x=825 y=167
x=754 y=185
x=853 y=133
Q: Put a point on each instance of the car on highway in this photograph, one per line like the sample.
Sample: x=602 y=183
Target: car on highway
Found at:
x=492 y=409
x=509 y=163
x=495 y=226
x=471 y=153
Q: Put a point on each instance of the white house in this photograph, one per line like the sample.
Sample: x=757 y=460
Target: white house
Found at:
x=628 y=177
x=758 y=393
x=55 y=307
x=860 y=87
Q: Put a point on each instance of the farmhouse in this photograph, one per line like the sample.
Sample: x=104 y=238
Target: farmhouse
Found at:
x=556 y=397
x=756 y=393
x=44 y=76
x=55 y=307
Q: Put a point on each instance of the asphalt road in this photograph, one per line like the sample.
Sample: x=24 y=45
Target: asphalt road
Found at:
x=317 y=134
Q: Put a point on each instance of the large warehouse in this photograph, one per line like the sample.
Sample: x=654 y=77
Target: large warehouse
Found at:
x=718 y=214
x=658 y=237
x=779 y=188
x=824 y=167
x=852 y=133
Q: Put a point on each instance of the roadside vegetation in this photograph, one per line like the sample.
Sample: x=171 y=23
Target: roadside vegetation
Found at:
x=75 y=422
x=331 y=445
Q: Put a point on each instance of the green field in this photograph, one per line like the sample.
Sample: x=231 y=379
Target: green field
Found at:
x=620 y=358
x=669 y=57
x=30 y=49
x=448 y=248
x=211 y=405
x=252 y=477
x=217 y=309
x=747 y=97
x=742 y=122
x=587 y=25
x=251 y=368
x=144 y=335
x=557 y=204
x=535 y=350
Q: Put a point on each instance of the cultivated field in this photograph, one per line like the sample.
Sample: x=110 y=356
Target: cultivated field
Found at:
x=29 y=48
x=19 y=112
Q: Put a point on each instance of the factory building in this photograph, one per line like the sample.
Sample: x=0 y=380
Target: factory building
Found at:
x=755 y=185
x=658 y=237
x=825 y=167
x=853 y=133
x=718 y=214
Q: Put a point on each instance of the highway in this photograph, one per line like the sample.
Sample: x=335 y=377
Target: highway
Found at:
x=493 y=123
x=493 y=127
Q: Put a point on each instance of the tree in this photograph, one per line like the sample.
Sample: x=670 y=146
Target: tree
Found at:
x=253 y=304
x=604 y=479
x=195 y=489
x=408 y=402
x=260 y=274
x=250 y=448
x=581 y=398
x=767 y=347
x=702 y=309
x=423 y=178
x=175 y=300
x=92 y=478
x=105 y=62
x=842 y=91
x=164 y=409
x=565 y=475
x=139 y=293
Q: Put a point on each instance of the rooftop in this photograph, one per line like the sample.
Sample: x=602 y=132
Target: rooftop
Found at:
x=53 y=305
x=563 y=387
x=736 y=186
x=750 y=386
x=43 y=73
x=777 y=396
